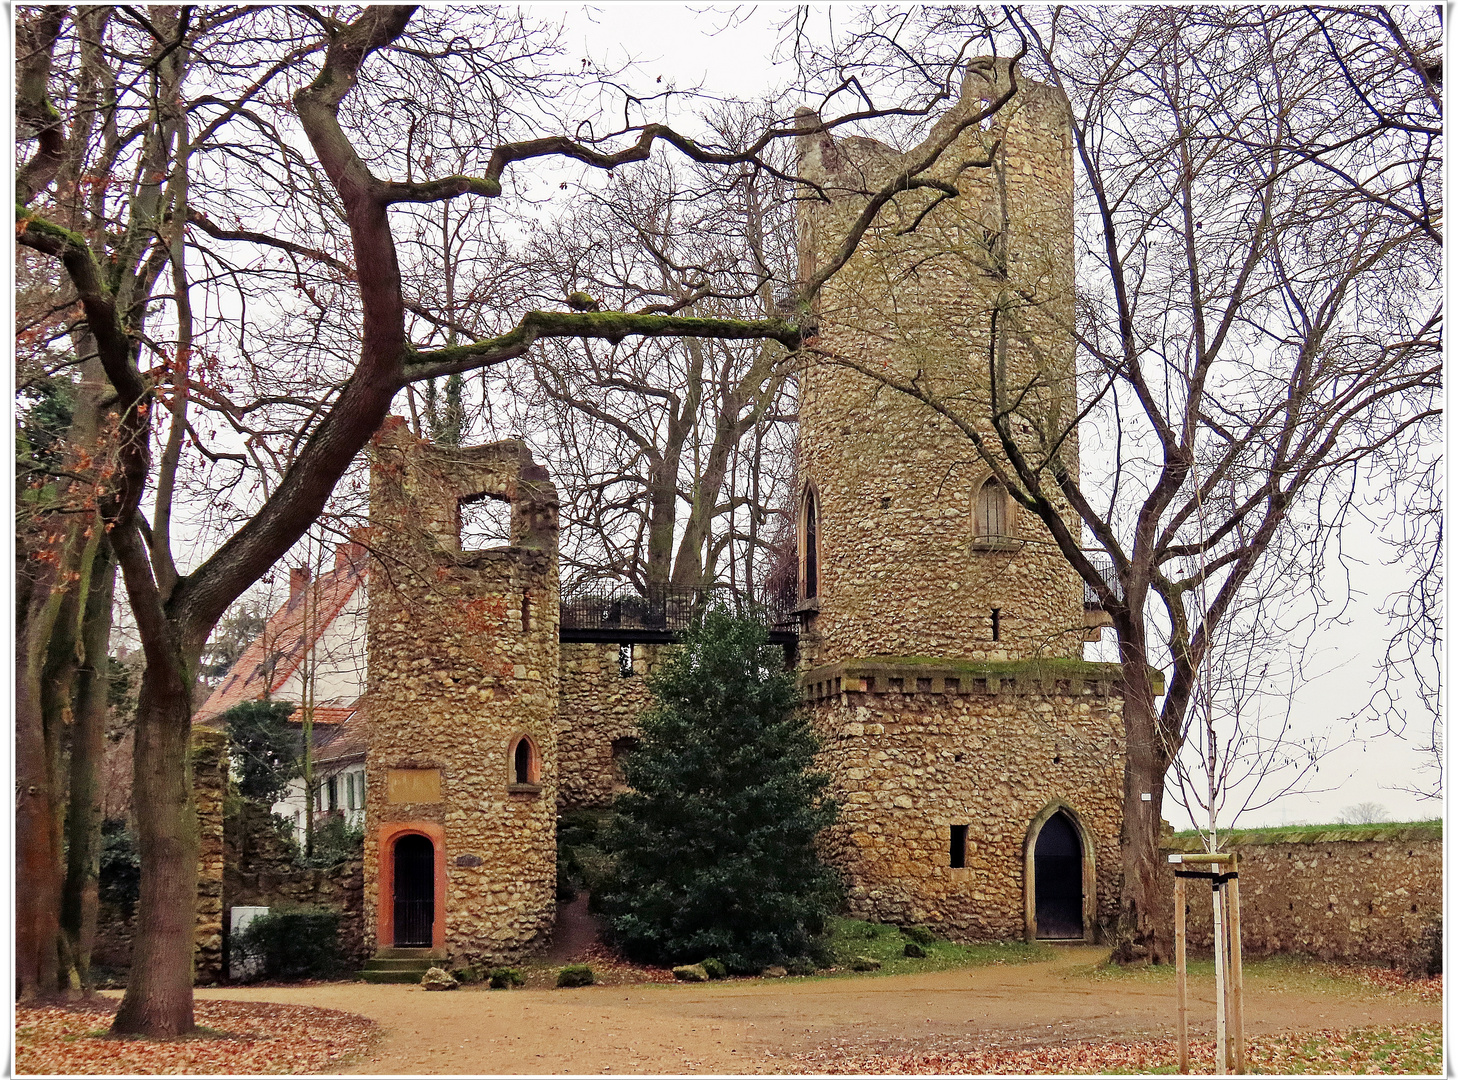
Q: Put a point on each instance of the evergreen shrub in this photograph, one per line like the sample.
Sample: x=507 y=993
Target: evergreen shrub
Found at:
x=714 y=845
x=292 y=943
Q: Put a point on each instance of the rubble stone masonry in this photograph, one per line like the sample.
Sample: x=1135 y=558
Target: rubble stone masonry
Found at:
x=598 y=718
x=463 y=663
x=1352 y=893
x=917 y=747
x=942 y=643
x=906 y=566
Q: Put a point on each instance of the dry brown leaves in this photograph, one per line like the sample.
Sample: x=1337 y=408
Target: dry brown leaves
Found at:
x=1415 y=1048
x=610 y=968
x=239 y=1037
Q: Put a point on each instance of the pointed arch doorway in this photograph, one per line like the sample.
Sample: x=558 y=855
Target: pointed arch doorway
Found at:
x=1059 y=881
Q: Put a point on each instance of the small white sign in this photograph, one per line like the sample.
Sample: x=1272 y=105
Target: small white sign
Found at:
x=241 y=967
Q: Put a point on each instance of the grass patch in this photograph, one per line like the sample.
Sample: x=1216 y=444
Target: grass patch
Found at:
x=1189 y=839
x=853 y=937
x=1294 y=973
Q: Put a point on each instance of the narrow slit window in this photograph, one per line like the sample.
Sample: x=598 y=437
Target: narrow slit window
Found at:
x=526 y=612
x=997 y=624
x=959 y=847
x=625 y=660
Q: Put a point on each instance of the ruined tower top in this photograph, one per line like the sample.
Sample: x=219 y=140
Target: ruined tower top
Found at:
x=910 y=545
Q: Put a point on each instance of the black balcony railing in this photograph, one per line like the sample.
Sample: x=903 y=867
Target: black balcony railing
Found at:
x=1105 y=567
x=666 y=610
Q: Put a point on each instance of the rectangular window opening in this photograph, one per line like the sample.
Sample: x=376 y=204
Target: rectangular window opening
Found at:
x=997 y=624
x=959 y=847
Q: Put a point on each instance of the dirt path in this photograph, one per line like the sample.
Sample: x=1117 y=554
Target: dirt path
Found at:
x=744 y=1027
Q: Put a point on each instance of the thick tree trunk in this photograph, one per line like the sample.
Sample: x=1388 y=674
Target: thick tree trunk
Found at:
x=88 y=746
x=1140 y=935
x=37 y=858
x=158 y=999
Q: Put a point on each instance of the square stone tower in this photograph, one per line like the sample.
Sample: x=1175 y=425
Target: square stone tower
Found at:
x=463 y=670
x=978 y=759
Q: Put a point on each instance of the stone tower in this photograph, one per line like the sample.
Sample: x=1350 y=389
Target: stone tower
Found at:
x=942 y=630
x=461 y=696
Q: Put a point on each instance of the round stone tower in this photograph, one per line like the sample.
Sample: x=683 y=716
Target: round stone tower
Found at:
x=942 y=629
x=920 y=549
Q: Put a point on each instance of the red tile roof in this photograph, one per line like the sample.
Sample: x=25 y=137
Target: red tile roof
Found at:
x=275 y=654
x=347 y=742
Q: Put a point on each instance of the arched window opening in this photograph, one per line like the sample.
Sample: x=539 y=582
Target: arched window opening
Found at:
x=525 y=763
x=992 y=515
x=810 y=544
x=1058 y=879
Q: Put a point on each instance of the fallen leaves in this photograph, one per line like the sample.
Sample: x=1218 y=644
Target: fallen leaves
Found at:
x=238 y=1037
x=1413 y=1048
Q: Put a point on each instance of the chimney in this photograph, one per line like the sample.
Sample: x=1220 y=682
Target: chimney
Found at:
x=298 y=579
x=347 y=555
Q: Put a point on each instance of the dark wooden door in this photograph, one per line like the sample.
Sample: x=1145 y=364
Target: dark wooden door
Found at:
x=414 y=892
x=1058 y=879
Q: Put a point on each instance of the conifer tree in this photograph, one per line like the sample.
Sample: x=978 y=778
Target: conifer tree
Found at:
x=715 y=843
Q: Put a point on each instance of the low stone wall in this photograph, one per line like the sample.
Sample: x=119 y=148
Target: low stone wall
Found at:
x=1352 y=893
x=261 y=871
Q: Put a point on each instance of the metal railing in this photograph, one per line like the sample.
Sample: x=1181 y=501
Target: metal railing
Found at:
x=669 y=609
x=1105 y=567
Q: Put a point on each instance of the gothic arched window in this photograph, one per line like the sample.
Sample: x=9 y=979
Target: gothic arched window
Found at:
x=992 y=516
x=810 y=543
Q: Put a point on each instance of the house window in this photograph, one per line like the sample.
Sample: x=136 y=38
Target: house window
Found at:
x=810 y=543
x=959 y=847
x=525 y=762
x=332 y=785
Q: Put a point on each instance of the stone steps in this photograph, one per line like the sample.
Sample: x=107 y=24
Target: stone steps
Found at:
x=399 y=965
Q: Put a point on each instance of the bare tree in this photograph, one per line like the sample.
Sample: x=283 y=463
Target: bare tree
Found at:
x=660 y=447
x=1258 y=321
x=213 y=110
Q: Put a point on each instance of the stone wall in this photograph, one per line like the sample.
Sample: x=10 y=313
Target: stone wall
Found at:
x=906 y=567
x=209 y=785
x=914 y=749
x=261 y=871
x=597 y=714
x=463 y=662
x=1361 y=894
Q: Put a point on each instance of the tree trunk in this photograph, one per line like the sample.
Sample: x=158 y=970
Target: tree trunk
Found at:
x=88 y=745
x=158 y=999
x=1140 y=934
x=37 y=860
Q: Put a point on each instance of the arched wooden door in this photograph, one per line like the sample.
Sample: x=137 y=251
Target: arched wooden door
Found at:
x=1058 y=879
x=414 y=892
